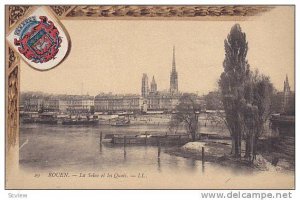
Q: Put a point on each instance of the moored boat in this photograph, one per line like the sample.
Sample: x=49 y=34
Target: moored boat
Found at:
x=47 y=118
x=28 y=117
x=120 y=122
x=28 y=120
x=80 y=121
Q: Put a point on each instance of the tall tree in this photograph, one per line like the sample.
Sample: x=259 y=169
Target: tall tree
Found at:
x=232 y=84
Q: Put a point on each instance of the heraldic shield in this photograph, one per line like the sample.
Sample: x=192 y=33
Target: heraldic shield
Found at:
x=40 y=39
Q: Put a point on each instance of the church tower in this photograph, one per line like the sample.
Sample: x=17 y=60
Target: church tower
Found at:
x=174 y=76
x=153 y=86
x=286 y=94
x=145 y=87
x=286 y=88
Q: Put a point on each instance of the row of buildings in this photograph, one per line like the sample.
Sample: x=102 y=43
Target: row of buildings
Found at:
x=40 y=102
x=31 y=102
x=150 y=99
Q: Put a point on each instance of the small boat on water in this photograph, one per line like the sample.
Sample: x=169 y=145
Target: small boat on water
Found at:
x=47 y=118
x=143 y=135
x=28 y=120
x=103 y=122
x=108 y=138
x=120 y=122
x=80 y=121
x=46 y=121
x=28 y=117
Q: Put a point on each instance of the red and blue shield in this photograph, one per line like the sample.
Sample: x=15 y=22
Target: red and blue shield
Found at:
x=39 y=41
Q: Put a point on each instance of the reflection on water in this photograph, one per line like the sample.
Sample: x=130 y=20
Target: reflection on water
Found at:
x=57 y=147
x=77 y=147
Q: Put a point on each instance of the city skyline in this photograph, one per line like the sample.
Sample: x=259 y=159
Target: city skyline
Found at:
x=115 y=60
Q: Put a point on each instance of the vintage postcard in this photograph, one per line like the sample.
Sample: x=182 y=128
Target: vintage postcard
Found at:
x=150 y=97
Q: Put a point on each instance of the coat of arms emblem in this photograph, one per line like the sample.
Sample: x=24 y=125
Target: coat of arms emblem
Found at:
x=40 y=39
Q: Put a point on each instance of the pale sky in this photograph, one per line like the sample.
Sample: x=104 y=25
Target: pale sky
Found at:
x=111 y=55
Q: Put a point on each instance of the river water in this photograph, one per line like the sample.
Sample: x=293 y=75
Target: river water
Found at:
x=77 y=148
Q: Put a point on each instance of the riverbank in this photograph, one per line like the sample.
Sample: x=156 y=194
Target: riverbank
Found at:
x=219 y=152
x=280 y=151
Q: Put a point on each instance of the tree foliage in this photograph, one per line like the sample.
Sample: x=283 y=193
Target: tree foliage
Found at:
x=187 y=112
x=246 y=95
x=213 y=101
x=232 y=84
x=257 y=110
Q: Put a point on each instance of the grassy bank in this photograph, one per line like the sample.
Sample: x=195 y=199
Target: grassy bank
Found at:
x=219 y=152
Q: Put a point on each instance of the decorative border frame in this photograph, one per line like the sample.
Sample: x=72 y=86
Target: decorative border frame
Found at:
x=14 y=13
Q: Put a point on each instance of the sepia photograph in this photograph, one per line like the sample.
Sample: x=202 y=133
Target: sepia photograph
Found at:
x=150 y=97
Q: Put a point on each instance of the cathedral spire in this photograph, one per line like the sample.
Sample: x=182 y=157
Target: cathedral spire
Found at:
x=173 y=63
x=286 y=87
x=286 y=94
x=173 y=76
